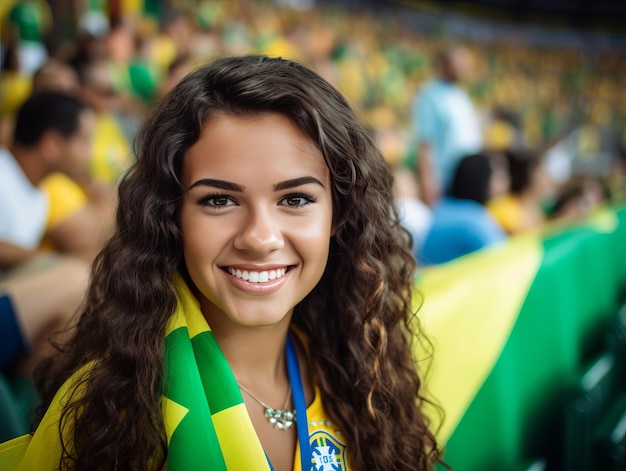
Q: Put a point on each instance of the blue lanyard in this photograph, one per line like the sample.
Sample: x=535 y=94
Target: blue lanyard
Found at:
x=302 y=424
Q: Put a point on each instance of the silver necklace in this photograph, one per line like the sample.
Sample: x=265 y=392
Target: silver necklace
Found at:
x=281 y=419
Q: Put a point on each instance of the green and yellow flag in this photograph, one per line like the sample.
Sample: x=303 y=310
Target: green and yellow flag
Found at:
x=511 y=327
x=206 y=420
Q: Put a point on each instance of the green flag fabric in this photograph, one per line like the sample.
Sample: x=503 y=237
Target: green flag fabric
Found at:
x=511 y=328
x=206 y=421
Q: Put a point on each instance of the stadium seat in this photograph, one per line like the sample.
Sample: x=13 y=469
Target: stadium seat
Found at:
x=616 y=343
x=595 y=415
x=538 y=464
x=609 y=448
x=610 y=435
x=585 y=409
x=12 y=422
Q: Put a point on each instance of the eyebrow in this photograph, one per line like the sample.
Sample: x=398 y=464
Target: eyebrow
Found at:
x=221 y=184
x=297 y=182
x=230 y=186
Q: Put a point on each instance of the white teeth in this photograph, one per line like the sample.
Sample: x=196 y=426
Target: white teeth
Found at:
x=257 y=276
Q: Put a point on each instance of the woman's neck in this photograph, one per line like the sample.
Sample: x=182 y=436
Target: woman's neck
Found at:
x=255 y=354
x=257 y=357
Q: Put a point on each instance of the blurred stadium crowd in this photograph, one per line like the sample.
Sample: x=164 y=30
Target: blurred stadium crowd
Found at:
x=562 y=103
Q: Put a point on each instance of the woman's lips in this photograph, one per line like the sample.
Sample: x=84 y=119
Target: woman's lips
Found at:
x=258 y=282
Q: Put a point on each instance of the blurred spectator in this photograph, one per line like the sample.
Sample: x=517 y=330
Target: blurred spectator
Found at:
x=93 y=20
x=522 y=208
x=502 y=132
x=175 y=40
x=616 y=180
x=28 y=23
x=578 y=198
x=56 y=75
x=81 y=209
x=52 y=133
x=81 y=214
x=175 y=73
x=445 y=124
x=461 y=224
x=111 y=152
x=120 y=42
x=36 y=301
x=15 y=87
x=145 y=75
x=415 y=216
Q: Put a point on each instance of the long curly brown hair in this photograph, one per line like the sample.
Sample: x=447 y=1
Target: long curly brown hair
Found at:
x=359 y=315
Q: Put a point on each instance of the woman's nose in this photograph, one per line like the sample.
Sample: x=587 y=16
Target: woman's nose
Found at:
x=261 y=232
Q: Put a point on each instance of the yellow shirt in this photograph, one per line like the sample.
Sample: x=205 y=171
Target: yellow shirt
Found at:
x=111 y=151
x=65 y=199
x=508 y=212
x=328 y=446
x=15 y=88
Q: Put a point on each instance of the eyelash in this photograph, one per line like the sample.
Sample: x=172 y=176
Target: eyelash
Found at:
x=209 y=200
x=307 y=197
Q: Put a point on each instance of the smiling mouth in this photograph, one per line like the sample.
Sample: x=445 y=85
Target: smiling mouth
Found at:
x=257 y=276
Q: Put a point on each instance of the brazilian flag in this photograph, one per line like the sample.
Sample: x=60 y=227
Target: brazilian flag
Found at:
x=206 y=421
x=510 y=328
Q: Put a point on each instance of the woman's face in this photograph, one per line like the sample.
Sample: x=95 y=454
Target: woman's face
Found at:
x=256 y=219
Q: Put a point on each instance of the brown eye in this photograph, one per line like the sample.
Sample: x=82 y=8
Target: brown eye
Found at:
x=299 y=200
x=219 y=201
x=216 y=201
x=294 y=201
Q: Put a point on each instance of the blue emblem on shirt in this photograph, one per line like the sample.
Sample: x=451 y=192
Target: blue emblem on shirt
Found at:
x=328 y=453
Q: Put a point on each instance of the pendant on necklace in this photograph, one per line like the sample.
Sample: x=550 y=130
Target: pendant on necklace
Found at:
x=280 y=419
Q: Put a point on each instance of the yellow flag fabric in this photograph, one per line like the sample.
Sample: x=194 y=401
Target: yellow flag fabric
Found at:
x=467 y=329
x=206 y=421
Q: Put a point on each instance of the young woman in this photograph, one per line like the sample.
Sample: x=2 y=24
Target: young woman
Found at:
x=253 y=309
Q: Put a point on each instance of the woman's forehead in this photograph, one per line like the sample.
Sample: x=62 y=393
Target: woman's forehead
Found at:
x=234 y=146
